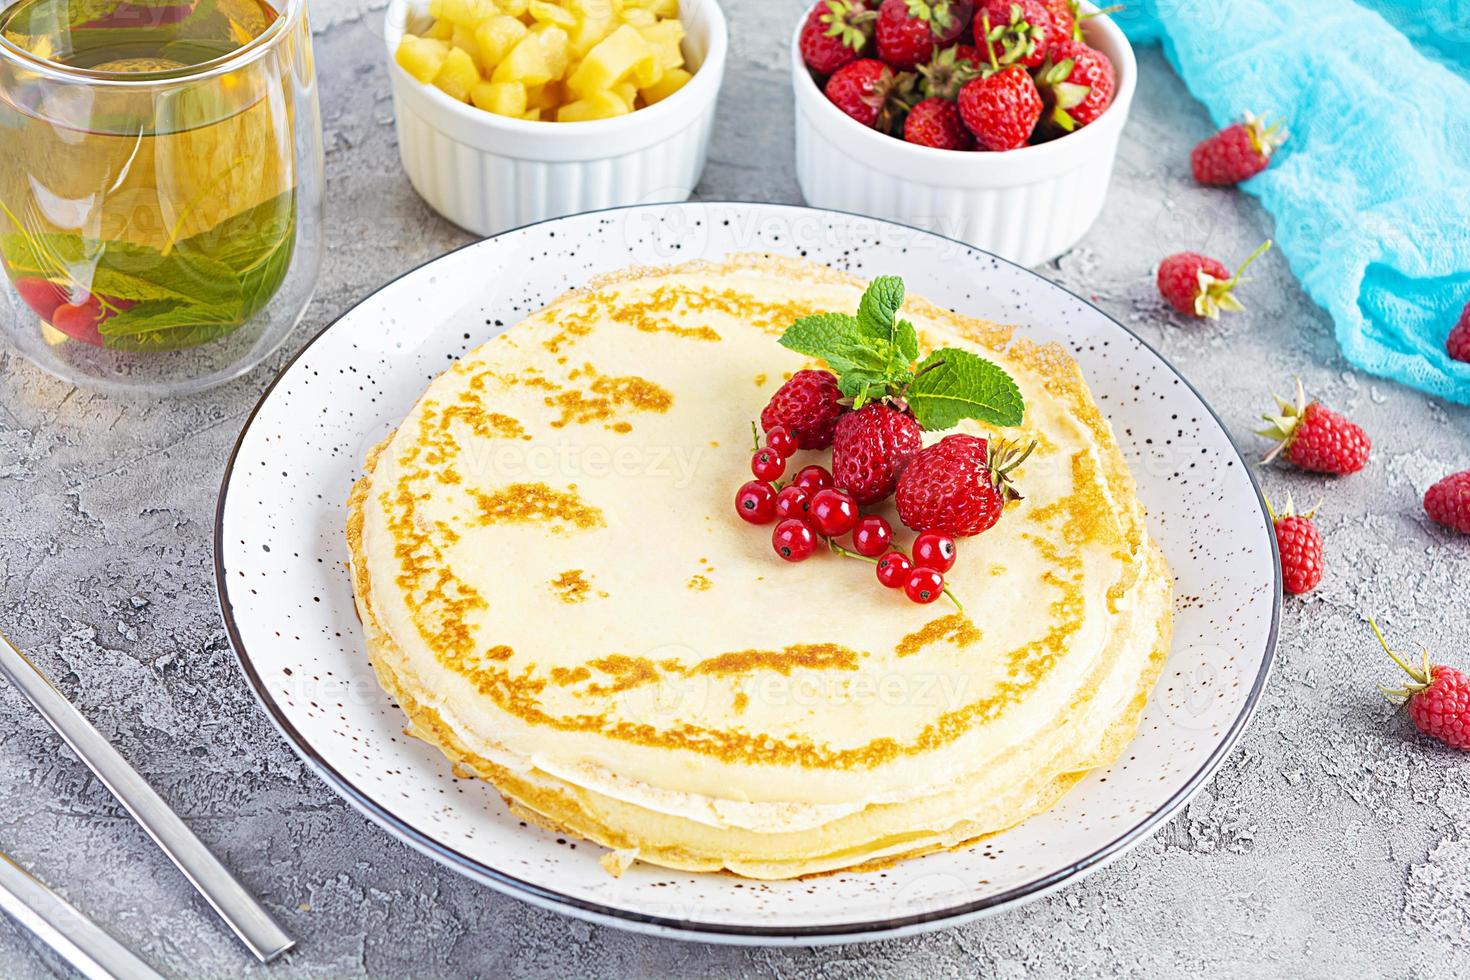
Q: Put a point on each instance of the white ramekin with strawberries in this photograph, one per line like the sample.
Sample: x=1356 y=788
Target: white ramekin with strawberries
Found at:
x=514 y=111
x=908 y=110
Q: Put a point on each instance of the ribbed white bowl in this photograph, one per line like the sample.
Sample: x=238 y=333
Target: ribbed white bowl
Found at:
x=487 y=173
x=1028 y=205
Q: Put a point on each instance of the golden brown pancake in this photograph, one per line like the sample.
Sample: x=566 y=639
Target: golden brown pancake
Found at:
x=554 y=585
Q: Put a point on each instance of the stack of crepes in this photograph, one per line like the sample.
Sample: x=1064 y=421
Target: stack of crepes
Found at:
x=554 y=586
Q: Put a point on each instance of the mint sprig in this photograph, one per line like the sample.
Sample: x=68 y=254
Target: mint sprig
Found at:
x=873 y=354
x=953 y=384
x=203 y=288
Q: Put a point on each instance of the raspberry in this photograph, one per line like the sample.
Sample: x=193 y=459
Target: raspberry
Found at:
x=1300 y=544
x=1312 y=437
x=1458 y=344
x=1448 y=502
x=1235 y=152
x=1437 y=698
x=808 y=406
x=1197 y=285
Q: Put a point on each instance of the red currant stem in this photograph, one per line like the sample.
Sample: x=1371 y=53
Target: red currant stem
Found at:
x=989 y=48
x=848 y=553
x=755 y=435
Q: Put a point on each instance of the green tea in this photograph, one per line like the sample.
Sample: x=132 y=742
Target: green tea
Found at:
x=144 y=218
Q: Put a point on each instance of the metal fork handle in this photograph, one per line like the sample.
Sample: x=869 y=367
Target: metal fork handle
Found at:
x=79 y=940
x=240 y=911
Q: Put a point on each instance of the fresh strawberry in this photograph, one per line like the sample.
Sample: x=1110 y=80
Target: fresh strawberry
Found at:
x=1448 y=502
x=1001 y=108
x=1017 y=31
x=958 y=486
x=870 y=448
x=1459 y=343
x=836 y=32
x=1063 y=18
x=1076 y=83
x=870 y=92
x=1197 y=285
x=808 y=405
x=1300 y=544
x=1236 y=152
x=910 y=30
x=947 y=72
x=936 y=122
x=967 y=54
x=1437 y=697
x=1312 y=437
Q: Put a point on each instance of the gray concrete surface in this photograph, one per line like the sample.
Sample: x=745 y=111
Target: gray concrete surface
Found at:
x=1333 y=843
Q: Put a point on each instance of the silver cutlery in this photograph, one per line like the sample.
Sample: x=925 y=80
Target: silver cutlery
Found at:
x=79 y=940
x=241 y=912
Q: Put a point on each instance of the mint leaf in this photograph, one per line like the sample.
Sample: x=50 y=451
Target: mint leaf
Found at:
x=837 y=339
x=907 y=339
x=954 y=384
x=873 y=354
x=166 y=314
x=862 y=386
x=895 y=339
x=205 y=287
x=820 y=334
x=879 y=307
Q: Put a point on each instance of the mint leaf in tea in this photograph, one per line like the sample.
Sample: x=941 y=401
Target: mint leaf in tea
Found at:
x=144 y=218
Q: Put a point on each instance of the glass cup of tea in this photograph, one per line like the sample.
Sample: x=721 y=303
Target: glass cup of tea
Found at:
x=160 y=186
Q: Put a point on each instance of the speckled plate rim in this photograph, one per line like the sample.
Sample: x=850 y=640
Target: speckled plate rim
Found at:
x=886 y=928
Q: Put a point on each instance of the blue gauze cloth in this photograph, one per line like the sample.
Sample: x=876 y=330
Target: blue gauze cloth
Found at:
x=1371 y=193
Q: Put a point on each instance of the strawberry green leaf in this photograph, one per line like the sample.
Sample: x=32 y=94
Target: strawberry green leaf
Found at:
x=955 y=384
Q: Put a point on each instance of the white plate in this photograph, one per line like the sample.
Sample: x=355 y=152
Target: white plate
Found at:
x=286 y=599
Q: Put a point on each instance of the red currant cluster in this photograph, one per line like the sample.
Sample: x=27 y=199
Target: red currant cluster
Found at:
x=810 y=507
